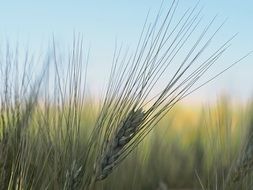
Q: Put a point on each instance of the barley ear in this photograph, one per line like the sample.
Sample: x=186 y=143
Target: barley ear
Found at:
x=126 y=131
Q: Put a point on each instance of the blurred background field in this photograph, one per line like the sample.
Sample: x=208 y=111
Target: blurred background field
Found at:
x=189 y=147
x=192 y=147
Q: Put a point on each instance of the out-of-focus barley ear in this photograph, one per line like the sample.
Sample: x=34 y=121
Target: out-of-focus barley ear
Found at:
x=73 y=177
x=244 y=164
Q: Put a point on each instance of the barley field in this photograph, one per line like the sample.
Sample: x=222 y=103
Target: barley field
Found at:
x=56 y=133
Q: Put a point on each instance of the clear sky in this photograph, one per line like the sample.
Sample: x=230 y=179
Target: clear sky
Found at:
x=101 y=22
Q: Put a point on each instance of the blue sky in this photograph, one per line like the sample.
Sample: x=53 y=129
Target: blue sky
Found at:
x=101 y=22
